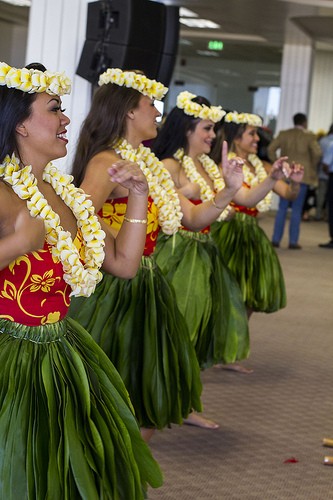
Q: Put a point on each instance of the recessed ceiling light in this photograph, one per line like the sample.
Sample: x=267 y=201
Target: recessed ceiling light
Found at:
x=183 y=12
x=198 y=23
x=19 y=3
x=223 y=36
x=208 y=53
x=184 y=41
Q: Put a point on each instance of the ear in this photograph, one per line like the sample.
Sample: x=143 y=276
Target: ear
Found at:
x=130 y=114
x=21 y=130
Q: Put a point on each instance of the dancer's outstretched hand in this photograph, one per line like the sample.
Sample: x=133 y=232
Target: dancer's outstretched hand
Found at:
x=297 y=172
x=130 y=176
x=280 y=169
x=232 y=169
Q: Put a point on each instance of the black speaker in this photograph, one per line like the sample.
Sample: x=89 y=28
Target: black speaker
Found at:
x=130 y=34
x=97 y=56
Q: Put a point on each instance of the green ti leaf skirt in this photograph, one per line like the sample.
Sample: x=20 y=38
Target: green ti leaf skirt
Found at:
x=253 y=261
x=67 y=429
x=207 y=295
x=139 y=326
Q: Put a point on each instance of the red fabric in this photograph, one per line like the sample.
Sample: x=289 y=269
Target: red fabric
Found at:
x=253 y=212
x=205 y=229
x=113 y=212
x=33 y=291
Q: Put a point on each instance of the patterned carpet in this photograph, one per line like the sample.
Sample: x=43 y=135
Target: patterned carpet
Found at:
x=272 y=422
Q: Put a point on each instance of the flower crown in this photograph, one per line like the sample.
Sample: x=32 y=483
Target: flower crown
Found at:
x=184 y=102
x=34 y=80
x=248 y=118
x=136 y=81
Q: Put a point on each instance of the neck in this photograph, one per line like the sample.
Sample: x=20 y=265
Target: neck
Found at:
x=194 y=154
x=242 y=154
x=37 y=167
x=133 y=139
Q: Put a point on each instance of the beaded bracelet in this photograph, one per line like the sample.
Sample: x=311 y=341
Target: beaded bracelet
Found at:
x=135 y=221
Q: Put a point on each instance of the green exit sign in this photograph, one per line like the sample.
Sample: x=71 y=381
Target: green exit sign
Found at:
x=215 y=45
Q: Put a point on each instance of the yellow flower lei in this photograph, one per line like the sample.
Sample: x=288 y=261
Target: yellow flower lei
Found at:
x=130 y=79
x=34 y=80
x=248 y=118
x=253 y=179
x=206 y=193
x=213 y=113
x=82 y=278
x=161 y=186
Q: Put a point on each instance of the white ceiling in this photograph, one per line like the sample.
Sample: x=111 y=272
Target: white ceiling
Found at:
x=253 y=32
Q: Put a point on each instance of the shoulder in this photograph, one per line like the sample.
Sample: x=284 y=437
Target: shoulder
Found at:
x=310 y=135
x=174 y=167
x=99 y=164
x=171 y=164
x=104 y=159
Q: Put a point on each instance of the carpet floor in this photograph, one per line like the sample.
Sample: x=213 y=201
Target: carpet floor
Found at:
x=272 y=422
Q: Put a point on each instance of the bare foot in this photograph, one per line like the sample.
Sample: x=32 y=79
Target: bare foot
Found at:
x=235 y=368
x=146 y=433
x=199 y=421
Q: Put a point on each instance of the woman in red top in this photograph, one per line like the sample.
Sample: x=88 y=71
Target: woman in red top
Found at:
x=244 y=245
x=66 y=424
x=150 y=347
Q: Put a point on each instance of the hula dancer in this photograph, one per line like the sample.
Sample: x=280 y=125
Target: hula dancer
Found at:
x=67 y=424
x=150 y=347
x=243 y=244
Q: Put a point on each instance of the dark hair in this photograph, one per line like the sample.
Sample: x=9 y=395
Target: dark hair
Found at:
x=104 y=125
x=15 y=107
x=299 y=119
x=226 y=131
x=173 y=133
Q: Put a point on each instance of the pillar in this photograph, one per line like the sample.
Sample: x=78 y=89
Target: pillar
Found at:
x=55 y=38
x=296 y=73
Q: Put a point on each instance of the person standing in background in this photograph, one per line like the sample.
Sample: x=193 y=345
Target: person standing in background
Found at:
x=327 y=165
x=324 y=143
x=300 y=146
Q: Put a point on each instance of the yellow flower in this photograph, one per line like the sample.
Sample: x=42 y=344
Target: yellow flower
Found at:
x=34 y=80
x=152 y=219
x=81 y=277
x=161 y=186
x=253 y=179
x=44 y=283
x=206 y=193
x=248 y=118
x=185 y=102
x=4 y=68
x=130 y=79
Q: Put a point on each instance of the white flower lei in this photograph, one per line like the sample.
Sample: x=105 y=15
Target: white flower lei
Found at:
x=161 y=186
x=34 y=80
x=248 y=118
x=130 y=79
x=185 y=102
x=253 y=179
x=82 y=278
x=206 y=193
